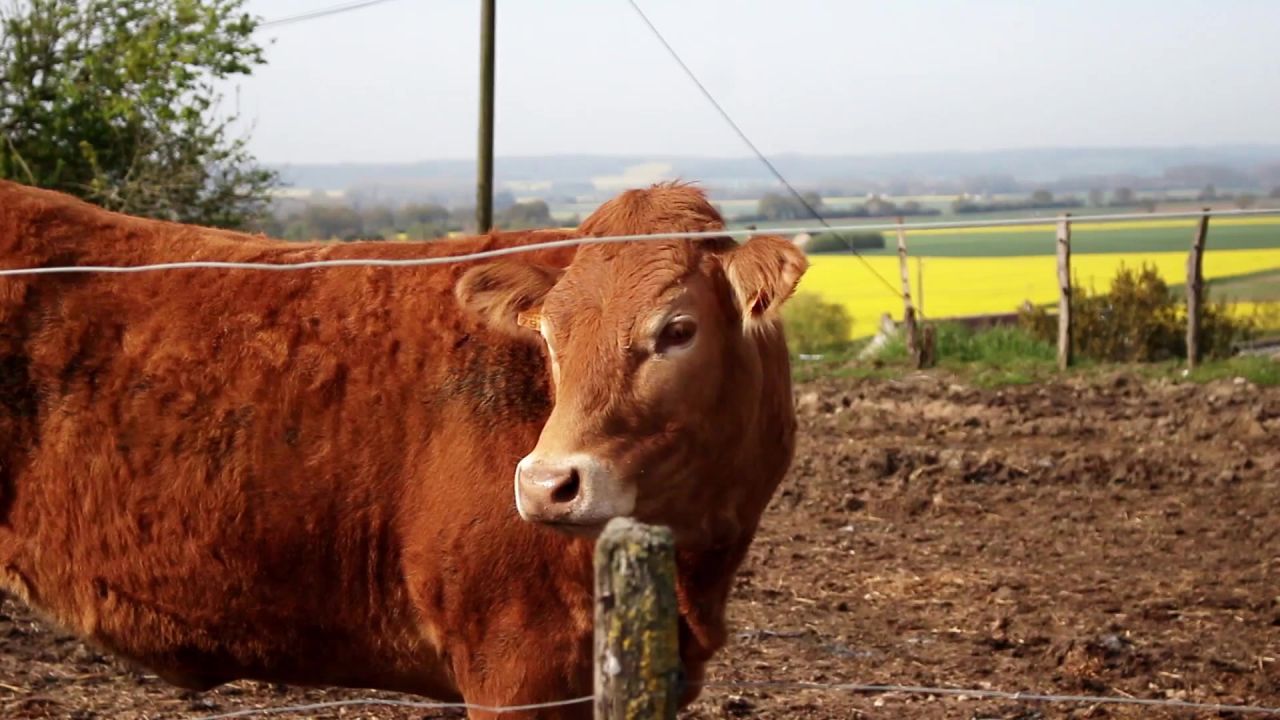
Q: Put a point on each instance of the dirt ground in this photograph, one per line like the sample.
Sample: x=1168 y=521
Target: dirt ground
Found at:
x=1108 y=536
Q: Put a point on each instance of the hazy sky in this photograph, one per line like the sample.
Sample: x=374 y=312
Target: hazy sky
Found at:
x=398 y=81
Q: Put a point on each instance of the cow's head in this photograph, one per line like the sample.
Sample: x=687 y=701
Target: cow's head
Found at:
x=659 y=353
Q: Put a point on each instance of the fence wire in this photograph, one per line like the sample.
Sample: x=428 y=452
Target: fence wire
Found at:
x=407 y=704
x=980 y=694
x=608 y=239
x=861 y=688
x=320 y=13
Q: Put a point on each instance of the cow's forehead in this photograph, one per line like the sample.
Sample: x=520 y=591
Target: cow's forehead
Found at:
x=623 y=279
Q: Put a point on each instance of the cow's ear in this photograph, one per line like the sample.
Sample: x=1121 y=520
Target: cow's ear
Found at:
x=764 y=272
x=507 y=295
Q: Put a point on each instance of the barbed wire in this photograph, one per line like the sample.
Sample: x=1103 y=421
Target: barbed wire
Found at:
x=588 y=240
x=764 y=159
x=981 y=694
x=321 y=12
x=410 y=704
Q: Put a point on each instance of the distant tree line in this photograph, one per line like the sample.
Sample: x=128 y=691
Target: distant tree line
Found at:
x=1125 y=197
x=775 y=207
x=415 y=221
x=1038 y=200
x=877 y=206
x=1244 y=200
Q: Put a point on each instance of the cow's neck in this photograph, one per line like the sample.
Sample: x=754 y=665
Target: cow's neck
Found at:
x=705 y=573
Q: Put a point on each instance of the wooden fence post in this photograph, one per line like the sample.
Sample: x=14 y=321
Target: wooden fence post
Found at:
x=637 y=646
x=1195 y=290
x=908 y=312
x=1064 y=286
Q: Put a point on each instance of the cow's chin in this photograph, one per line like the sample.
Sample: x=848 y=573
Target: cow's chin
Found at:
x=584 y=529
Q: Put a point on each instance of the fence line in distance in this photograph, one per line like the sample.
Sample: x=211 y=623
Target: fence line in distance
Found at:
x=572 y=242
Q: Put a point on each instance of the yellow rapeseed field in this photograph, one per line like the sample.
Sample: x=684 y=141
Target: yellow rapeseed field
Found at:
x=971 y=286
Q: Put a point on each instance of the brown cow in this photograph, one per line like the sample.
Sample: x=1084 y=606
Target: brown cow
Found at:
x=305 y=477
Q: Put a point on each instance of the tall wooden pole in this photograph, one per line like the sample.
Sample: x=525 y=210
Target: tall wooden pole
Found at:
x=484 y=170
x=1195 y=290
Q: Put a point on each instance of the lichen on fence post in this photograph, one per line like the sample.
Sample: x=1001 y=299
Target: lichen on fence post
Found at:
x=637 y=646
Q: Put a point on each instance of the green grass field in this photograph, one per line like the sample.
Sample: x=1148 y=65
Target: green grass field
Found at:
x=1011 y=356
x=1139 y=236
x=1259 y=286
x=1102 y=240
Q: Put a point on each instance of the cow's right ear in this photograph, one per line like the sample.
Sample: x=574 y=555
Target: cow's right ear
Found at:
x=507 y=295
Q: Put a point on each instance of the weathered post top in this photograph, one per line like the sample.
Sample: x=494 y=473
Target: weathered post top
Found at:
x=637 y=645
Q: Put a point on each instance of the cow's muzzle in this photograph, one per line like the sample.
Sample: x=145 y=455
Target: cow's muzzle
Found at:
x=573 y=492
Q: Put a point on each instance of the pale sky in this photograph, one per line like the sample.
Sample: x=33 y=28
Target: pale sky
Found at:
x=398 y=81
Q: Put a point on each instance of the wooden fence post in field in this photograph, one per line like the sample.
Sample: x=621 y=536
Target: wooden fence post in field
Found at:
x=908 y=312
x=637 y=646
x=1064 y=286
x=1195 y=290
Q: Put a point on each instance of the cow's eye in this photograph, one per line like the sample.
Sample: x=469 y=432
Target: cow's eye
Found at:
x=676 y=334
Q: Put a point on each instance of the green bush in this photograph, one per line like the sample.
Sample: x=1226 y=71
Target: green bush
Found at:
x=832 y=242
x=999 y=346
x=1138 y=320
x=815 y=326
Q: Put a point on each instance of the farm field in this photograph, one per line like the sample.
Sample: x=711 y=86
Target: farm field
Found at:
x=1141 y=236
x=1136 y=236
x=978 y=285
x=1086 y=238
x=834 y=205
x=1099 y=534
x=1259 y=286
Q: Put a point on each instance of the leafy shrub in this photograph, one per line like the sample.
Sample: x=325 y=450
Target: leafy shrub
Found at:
x=832 y=242
x=815 y=326
x=1137 y=320
x=1266 y=317
x=1001 y=345
x=997 y=346
x=522 y=216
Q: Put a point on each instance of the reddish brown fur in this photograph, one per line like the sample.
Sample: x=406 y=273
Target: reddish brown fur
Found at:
x=306 y=477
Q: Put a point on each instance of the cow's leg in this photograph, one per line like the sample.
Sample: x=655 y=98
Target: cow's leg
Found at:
x=692 y=675
x=14 y=582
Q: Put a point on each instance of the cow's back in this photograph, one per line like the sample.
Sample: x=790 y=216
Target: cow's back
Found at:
x=219 y=472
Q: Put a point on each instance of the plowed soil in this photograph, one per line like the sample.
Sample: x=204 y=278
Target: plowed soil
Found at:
x=1101 y=536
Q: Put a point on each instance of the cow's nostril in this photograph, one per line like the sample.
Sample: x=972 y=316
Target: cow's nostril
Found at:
x=566 y=491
